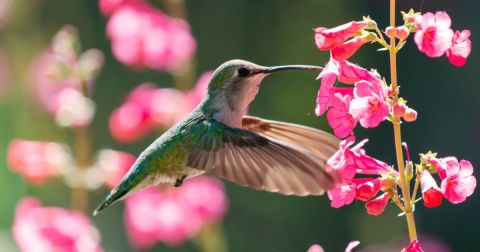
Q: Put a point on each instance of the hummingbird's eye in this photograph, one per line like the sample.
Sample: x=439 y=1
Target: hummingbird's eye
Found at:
x=243 y=72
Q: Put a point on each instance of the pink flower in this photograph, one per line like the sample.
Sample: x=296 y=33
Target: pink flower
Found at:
x=350 y=160
x=343 y=194
x=45 y=229
x=347 y=49
x=368 y=189
x=459 y=182
x=369 y=106
x=143 y=36
x=327 y=39
x=341 y=121
x=432 y=195
x=377 y=206
x=107 y=7
x=114 y=164
x=345 y=72
x=461 y=47
x=434 y=35
x=315 y=248
x=153 y=216
x=206 y=196
x=36 y=161
x=413 y=247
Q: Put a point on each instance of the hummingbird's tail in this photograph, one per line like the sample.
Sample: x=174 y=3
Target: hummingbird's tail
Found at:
x=115 y=195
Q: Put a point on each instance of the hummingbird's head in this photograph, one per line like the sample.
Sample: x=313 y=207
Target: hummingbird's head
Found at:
x=235 y=84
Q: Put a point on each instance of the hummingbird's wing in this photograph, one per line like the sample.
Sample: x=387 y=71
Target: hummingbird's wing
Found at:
x=322 y=143
x=261 y=162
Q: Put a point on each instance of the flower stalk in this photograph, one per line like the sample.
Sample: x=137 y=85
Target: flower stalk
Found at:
x=83 y=149
x=398 y=134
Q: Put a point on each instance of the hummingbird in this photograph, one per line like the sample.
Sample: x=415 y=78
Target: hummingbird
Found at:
x=217 y=137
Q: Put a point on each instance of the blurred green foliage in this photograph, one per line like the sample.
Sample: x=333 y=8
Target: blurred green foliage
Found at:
x=269 y=32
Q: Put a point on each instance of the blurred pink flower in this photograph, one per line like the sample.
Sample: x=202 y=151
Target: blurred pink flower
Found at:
x=434 y=35
x=327 y=39
x=153 y=216
x=461 y=47
x=71 y=108
x=107 y=7
x=369 y=106
x=377 y=206
x=114 y=164
x=431 y=193
x=143 y=36
x=338 y=116
x=147 y=108
x=347 y=49
x=315 y=248
x=206 y=196
x=318 y=248
x=36 y=161
x=413 y=247
x=174 y=215
x=43 y=75
x=46 y=229
x=459 y=182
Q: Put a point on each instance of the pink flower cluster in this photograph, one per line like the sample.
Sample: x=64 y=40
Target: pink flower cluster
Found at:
x=457 y=181
x=365 y=103
x=174 y=215
x=350 y=161
x=435 y=38
x=45 y=229
x=143 y=36
x=147 y=107
x=37 y=161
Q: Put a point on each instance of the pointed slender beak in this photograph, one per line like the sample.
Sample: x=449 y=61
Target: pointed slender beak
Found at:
x=273 y=69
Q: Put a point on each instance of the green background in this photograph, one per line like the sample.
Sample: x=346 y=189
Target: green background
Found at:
x=268 y=32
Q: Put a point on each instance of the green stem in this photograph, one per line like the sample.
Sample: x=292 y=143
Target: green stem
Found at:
x=184 y=75
x=212 y=239
x=398 y=134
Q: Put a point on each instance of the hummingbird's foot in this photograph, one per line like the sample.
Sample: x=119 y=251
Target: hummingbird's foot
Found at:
x=179 y=181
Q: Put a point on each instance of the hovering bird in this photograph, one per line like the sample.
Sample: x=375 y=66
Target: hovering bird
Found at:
x=218 y=138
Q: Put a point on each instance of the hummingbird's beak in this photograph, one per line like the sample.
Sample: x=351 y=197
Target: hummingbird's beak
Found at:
x=273 y=69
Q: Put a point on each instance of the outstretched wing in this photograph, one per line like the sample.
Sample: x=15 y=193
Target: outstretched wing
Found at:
x=322 y=143
x=259 y=161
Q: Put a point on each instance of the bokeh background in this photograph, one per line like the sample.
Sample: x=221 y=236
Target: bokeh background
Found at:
x=268 y=32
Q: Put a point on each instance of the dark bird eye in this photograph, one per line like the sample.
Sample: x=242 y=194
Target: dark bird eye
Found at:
x=243 y=72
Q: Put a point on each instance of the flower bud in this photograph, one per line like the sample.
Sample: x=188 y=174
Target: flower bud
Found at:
x=410 y=115
x=402 y=32
x=390 y=31
x=399 y=109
